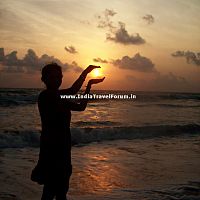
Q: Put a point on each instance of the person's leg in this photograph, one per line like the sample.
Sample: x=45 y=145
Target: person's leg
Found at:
x=62 y=189
x=61 y=194
x=48 y=192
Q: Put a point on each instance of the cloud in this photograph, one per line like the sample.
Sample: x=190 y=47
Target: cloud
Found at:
x=191 y=57
x=1 y=54
x=100 y=60
x=31 y=62
x=137 y=63
x=12 y=63
x=117 y=34
x=71 y=49
x=104 y=21
x=149 y=19
x=109 y=12
x=169 y=82
x=169 y=78
x=122 y=36
x=86 y=22
x=75 y=67
x=161 y=82
x=178 y=54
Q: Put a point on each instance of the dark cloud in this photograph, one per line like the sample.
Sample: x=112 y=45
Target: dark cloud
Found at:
x=137 y=63
x=71 y=49
x=178 y=54
x=100 y=60
x=191 y=57
x=117 y=34
x=122 y=36
x=149 y=19
x=31 y=62
x=10 y=62
x=1 y=54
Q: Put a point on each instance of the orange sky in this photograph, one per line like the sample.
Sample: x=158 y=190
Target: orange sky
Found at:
x=93 y=29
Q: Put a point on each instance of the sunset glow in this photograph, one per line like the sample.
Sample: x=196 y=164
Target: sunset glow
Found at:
x=145 y=47
x=97 y=73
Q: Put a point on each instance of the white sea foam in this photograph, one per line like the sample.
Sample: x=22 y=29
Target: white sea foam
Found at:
x=13 y=139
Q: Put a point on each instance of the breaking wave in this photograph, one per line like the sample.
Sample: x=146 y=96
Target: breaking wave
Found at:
x=15 y=139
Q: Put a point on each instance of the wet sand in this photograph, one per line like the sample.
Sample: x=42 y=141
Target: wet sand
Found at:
x=161 y=168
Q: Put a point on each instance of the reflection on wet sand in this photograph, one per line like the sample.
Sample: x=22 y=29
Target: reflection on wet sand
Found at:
x=105 y=168
x=96 y=174
x=129 y=169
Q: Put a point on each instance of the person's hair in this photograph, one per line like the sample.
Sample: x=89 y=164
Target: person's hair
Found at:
x=49 y=68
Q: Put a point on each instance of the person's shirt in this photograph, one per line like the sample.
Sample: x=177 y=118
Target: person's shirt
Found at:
x=55 y=114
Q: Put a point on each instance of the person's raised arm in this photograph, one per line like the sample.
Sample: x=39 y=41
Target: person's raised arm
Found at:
x=83 y=104
x=79 y=82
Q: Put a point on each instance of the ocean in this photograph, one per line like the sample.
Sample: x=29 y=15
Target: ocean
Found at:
x=145 y=148
x=152 y=114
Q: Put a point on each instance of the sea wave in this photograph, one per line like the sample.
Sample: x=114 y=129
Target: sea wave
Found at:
x=160 y=96
x=19 y=139
x=95 y=123
x=18 y=97
x=168 y=105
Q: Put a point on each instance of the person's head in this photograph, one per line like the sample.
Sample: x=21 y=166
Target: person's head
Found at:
x=52 y=76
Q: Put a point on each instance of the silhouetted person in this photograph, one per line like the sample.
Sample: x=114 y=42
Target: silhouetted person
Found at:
x=54 y=165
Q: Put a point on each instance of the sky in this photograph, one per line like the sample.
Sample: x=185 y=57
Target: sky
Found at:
x=140 y=45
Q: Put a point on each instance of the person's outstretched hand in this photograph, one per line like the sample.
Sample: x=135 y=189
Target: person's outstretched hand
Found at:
x=96 y=80
x=90 y=68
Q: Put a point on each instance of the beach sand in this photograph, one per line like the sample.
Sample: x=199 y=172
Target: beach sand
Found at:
x=159 y=168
